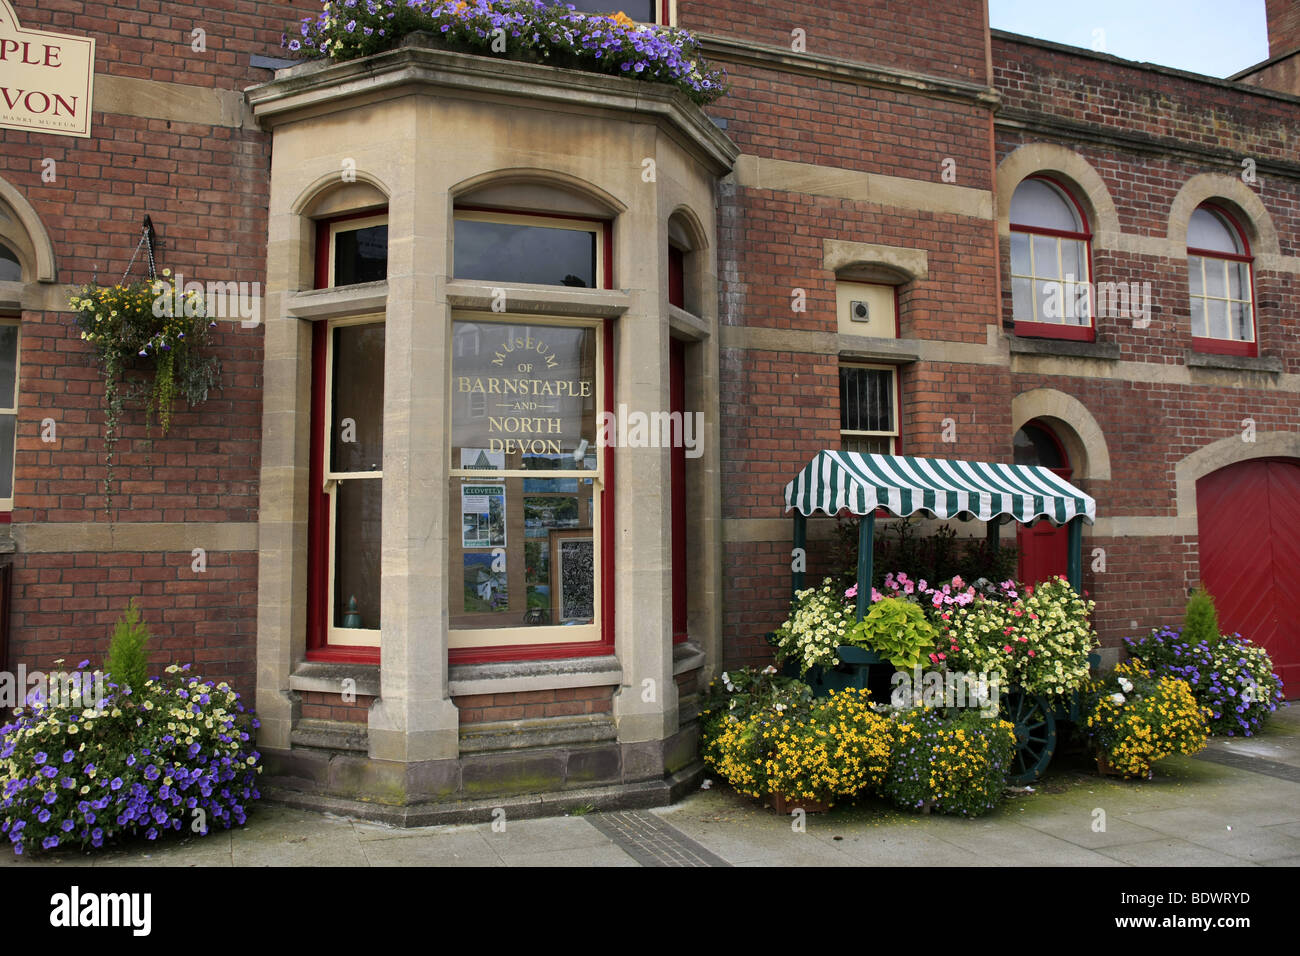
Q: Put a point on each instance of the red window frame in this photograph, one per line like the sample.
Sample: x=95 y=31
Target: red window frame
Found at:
x=1229 y=346
x=677 y=492
x=604 y=646
x=1051 y=330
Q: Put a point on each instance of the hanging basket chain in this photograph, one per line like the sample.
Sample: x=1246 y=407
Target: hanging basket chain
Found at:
x=146 y=240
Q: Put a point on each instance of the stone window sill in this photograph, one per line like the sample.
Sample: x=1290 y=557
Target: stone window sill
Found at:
x=510 y=677
x=1108 y=351
x=1240 y=363
x=327 y=678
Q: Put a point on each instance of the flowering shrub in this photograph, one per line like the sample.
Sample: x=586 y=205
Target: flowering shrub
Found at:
x=818 y=621
x=518 y=30
x=1230 y=676
x=1136 y=719
x=954 y=593
x=176 y=755
x=1039 y=641
x=820 y=750
x=897 y=630
x=955 y=765
x=839 y=750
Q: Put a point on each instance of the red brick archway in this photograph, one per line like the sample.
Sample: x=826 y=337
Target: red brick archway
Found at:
x=1248 y=519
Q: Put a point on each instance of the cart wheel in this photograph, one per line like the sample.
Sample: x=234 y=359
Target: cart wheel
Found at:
x=1035 y=735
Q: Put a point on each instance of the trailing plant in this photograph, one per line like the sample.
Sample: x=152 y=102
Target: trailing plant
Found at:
x=839 y=750
x=1230 y=676
x=1136 y=719
x=515 y=30
x=953 y=764
x=148 y=349
x=128 y=661
x=175 y=755
x=897 y=630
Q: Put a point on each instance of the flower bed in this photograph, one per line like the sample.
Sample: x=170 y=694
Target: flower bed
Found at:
x=177 y=755
x=517 y=30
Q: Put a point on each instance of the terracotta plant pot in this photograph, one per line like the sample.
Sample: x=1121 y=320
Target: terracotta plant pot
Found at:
x=783 y=806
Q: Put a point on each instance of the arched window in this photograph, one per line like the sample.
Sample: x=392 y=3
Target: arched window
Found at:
x=11 y=270
x=1219 y=280
x=1050 y=262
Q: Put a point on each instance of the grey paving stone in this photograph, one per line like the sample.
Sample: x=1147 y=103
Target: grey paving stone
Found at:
x=1170 y=852
x=463 y=847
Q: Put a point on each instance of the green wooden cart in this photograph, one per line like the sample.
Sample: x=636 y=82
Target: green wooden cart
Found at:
x=866 y=485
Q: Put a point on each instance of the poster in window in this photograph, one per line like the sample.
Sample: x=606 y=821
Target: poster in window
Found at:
x=487 y=586
x=483 y=516
x=573 y=577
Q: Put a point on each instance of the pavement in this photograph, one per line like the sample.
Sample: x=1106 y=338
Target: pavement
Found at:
x=1235 y=804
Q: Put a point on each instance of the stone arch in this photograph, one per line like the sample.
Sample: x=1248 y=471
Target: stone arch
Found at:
x=688 y=223
x=1232 y=192
x=22 y=230
x=1220 y=454
x=329 y=194
x=1073 y=424
x=542 y=190
x=1048 y=158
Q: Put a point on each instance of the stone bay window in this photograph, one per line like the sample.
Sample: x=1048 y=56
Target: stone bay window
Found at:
x=456 y=559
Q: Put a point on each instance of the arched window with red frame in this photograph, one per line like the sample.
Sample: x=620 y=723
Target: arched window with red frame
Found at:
x=1220 y=283
x=1051 y=262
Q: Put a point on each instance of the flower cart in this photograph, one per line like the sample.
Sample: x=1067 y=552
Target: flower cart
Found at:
x=871 y=485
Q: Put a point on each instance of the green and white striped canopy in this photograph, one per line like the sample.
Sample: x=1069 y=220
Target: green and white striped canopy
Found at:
x=835 y=480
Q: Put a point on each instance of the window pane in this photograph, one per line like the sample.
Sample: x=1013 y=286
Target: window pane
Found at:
x=1216 y=278
x=10 y=270
x=1238 y=281
x=361 y=255
x=1196 y=275
x=1052 y=302
x=1074 y=254
x=358 y=516
x=1208 y=230
x=522 y=552
x=1022 y=299
x=1037 y=203
x=1199 y=328
x=641 y=10
x=1046 y=265
x=1241 y=322
x=8 y=365
x=8 y=423
x=357 y=426
x=1020 y=254
x=510 y=252
x=866 y=399
x=867 y=444
x=1217 y=310
x=1033 y=446
x=539 y=386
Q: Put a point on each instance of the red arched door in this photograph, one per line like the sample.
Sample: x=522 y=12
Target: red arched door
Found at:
x=1044 y=548
x=1248 y=516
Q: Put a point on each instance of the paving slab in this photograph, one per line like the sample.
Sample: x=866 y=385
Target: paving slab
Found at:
x=456 y=848
x=1170 y=852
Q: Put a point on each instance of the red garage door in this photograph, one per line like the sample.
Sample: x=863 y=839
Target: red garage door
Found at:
x=1248 y=520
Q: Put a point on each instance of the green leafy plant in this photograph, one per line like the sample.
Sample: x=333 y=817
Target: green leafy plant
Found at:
x=1200 y=620
x=148 y=350
x=897 y=630
x=128 y=658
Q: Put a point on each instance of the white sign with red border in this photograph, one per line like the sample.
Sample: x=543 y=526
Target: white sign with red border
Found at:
x=46 y=79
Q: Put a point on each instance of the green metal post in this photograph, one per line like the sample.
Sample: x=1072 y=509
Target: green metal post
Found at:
x=991 y=534
x=1074 y=564
x=799 y=559
x=866 y=544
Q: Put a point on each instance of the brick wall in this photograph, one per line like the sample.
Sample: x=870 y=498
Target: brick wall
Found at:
x=317 y=705
x=1283 y=26
x=206 y=189
x=529 y=705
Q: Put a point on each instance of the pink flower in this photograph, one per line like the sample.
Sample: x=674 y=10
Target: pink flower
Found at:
x=876 y=596
x=889 y=581
x=921 y=584
x=938 y=599
x=934 y=658
x=851 y=592
x=957 y=582
x=908 y=588
x=941 y=657
x=1023 y=640
x=1031 y=653
x=1007 y=648
x=1033 y=616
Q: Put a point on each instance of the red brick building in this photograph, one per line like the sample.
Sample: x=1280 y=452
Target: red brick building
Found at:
x=881 y=206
